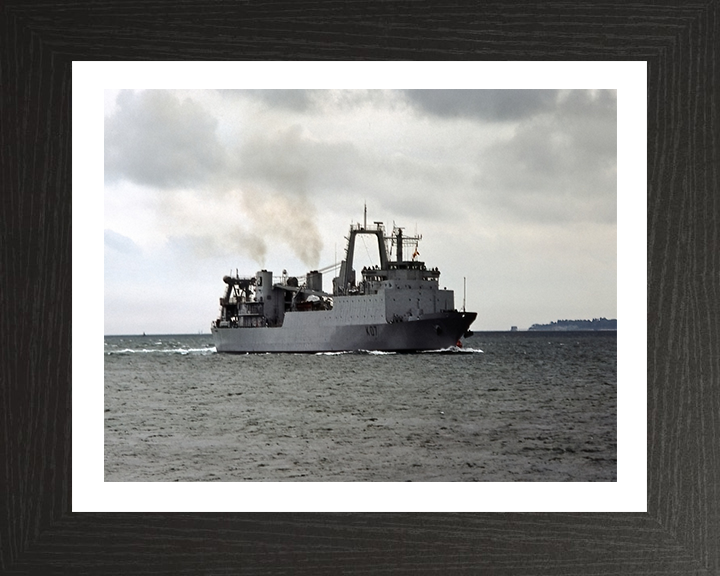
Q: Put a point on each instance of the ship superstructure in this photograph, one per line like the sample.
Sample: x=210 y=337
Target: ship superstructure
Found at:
x=396 y=305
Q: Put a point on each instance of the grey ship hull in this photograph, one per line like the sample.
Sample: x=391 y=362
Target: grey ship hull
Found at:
x=309 y=333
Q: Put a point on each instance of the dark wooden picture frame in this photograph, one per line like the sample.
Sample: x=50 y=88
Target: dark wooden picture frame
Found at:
x=681 y=530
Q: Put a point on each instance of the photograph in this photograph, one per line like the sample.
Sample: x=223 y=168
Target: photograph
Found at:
x=360 y=285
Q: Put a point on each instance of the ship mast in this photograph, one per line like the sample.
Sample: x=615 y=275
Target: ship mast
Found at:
x=464 y=291
x=400 y=240
x=346 y=278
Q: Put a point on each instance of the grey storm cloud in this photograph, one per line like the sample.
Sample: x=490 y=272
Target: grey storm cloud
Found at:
x=295 y=100
x=549 y=156
x=317 y=100
x=487 y=105
x=156 y=139
x=284 y=159
x=557 y=167
x=289 y=160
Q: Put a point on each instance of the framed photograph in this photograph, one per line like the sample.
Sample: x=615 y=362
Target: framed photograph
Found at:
x=65 y=517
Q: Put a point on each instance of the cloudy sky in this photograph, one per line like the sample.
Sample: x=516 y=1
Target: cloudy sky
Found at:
x=513 y=189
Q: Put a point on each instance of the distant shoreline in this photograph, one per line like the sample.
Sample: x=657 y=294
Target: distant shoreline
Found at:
x=545 y=332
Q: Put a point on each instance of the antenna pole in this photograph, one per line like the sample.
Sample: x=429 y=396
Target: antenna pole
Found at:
x=365 y=218
x=464 y=291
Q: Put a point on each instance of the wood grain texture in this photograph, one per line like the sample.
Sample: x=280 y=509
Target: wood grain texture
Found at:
x=681 y=531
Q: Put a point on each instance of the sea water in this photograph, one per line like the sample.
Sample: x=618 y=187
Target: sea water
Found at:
x=507 y=406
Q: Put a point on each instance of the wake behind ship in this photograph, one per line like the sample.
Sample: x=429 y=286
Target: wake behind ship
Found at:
x=395 y=306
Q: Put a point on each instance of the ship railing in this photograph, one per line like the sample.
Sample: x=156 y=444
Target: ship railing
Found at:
x=360 y=227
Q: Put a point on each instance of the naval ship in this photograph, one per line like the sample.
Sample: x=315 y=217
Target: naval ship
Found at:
x=396 y=306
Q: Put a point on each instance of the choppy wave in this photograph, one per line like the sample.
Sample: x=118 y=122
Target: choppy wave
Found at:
x=450 y=350
x=361 y=352
x=454 y=350
x=181 y=351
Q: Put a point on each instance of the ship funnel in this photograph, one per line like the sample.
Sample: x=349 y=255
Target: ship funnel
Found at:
x=263 y=285
x=314 y=281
